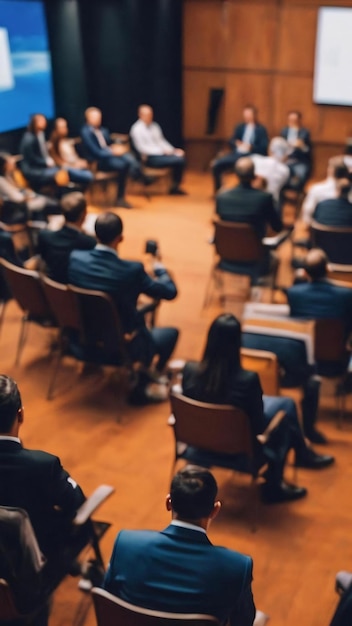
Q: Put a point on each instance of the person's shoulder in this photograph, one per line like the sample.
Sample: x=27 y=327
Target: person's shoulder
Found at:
x=191 y=368
x=233 y=559
x=38 y=457
x=248 y=378
x=136 y=537
x=81 y=255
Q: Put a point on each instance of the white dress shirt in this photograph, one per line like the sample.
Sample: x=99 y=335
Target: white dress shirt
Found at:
x=149 y=140
x=9 y=438
x=275 y=173
x=181 y=524
x=44 y=149
x=248 y=135
x=317 y=193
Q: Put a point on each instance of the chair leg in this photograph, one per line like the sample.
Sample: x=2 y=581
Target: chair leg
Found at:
x=209 y=289
x=2 y=314
x=22 y=339
x=341 y=409
x=50 y=392
x=254 y=496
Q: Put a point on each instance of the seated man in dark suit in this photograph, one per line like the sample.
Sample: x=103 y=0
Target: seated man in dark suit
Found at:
x=36 y=482
x=55 y=247
x=336 y=211
x=246 y=204
x=300 y=159
x=249 y=137
x=99 y=146
x=37 y=165
x=320 y=298
x=182 y=571
x=104 y=270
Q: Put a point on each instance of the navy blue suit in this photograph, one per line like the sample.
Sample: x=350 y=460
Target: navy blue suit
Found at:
x=103 y=270
x=56 y=246
x=259 y=145
x=107 y=161
x=34 y=165
x=334 y=212
x=321 y=299
x=299 y=161
x=179 y=570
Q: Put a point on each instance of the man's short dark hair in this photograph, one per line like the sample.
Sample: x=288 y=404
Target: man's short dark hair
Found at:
x=73 y=206
x=193 y=492
x=10 y=403
x=108 y=226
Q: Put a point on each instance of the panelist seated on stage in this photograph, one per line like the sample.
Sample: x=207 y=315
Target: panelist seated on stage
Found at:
x=102 y=269
x=220 y=379
x=36 y=205
x=99 y=146
x=37 y=165
x=55 y=247
x=249 y=137
x=273 y=168
x=178 y=569
x=154 y=150
x=336 y=211
x=35 y=481
x=300 y=159
x=64 y=154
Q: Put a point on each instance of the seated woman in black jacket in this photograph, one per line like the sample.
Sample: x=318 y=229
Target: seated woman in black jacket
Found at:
x=219 y=378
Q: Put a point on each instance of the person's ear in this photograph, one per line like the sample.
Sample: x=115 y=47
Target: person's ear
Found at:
x=216 y=510
x=20 y=415
x=168 y=502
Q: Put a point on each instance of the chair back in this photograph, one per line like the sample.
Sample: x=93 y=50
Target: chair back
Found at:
x=334 y=240
x=62 y=302
x=330 y=340
x=217 y=428
x=100 y=323
x=111 y=610
x=27 y=290
x=237 y=242
x=266 y=365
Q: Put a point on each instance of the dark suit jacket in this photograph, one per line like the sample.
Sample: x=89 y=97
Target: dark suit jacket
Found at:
x=179 y=570
x=33 y=162
x=298 y=154
x=251 y=206
x=36 y=482
x=334 y=212
x=260 y=141
x=123 y=280
x=55 y=248
x=245 y=393
x=321 y=300
x=343 y=613
x=91 y=146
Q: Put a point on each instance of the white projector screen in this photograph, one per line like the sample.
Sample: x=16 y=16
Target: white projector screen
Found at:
x=333 y=57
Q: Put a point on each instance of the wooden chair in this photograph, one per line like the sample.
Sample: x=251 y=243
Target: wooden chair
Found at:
x=335 y=241
x=266 y=365
x=26 y=289
x=112 y=611
x=217 y=435
x=239 y=250
x=340 y=273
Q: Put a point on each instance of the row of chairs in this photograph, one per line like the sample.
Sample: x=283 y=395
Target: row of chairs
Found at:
x=88 y=324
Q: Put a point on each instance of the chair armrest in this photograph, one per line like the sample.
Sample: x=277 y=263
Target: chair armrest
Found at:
x=260 y=618
x=265 y=436
x=37 y=224
x=149 y=307
x=276 y=241
x=92 y=503
x=263 y=309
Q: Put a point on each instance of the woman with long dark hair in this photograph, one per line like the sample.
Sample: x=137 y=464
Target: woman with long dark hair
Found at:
x=219 y=378
x=64 y=154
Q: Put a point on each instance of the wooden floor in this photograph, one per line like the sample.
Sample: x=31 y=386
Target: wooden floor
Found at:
x=298 y=546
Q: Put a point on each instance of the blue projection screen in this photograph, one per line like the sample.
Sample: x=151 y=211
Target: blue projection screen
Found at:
x=25 y=64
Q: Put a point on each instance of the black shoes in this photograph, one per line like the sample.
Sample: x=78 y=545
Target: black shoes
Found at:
x=176 y=191
x=283 y=492
x=123 y=204
x=311 y=460
x=315 y=436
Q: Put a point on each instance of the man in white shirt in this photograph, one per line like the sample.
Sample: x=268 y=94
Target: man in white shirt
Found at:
x=324 y=190
x=273 y=167
x=155 y=150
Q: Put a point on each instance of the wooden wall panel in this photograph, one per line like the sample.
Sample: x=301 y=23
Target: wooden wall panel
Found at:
x=196 y=87
x=250 y=38
x=260 y=51
x=296 y=47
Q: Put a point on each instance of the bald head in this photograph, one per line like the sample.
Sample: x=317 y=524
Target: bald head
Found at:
x=145 y=113
x=316 y=264
x=244 y=169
